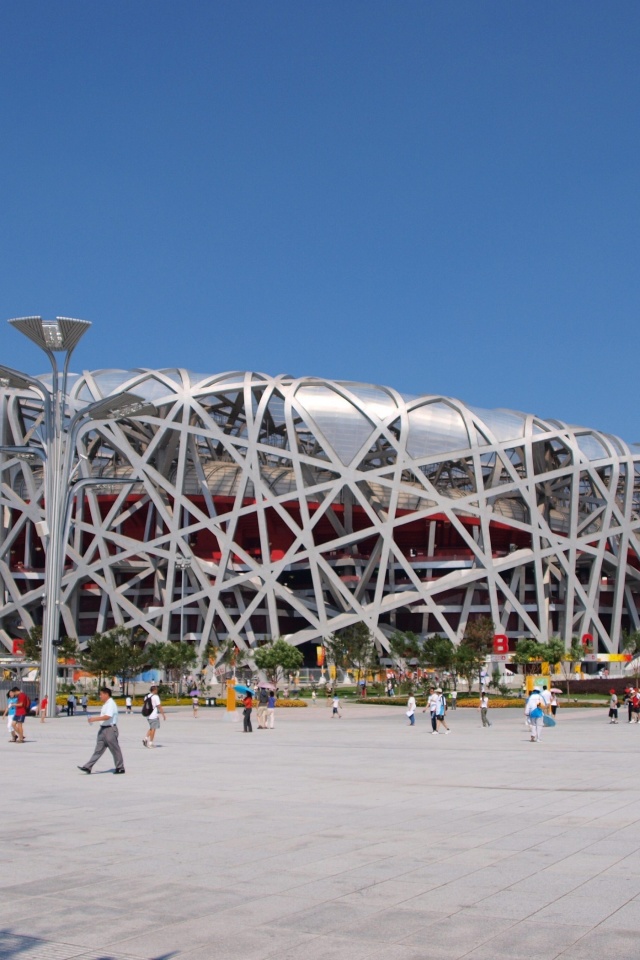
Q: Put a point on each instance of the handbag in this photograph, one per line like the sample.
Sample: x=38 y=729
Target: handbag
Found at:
x=536 y=713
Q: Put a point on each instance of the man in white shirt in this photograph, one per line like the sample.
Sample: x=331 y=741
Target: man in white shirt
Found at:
x=433 y=701
x=107 y=734
x=153 y=717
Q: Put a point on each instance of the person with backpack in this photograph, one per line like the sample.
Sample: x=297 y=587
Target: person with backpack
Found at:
x=441 y=710
x=107 y=734
x=152 y=709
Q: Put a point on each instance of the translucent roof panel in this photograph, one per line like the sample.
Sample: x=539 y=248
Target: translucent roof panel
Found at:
x=376 y=402
x=435 y=428
x=591 y=447
x=503 y=424
x=344 y=428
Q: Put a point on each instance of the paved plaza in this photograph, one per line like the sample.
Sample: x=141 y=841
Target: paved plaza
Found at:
x=324 y=839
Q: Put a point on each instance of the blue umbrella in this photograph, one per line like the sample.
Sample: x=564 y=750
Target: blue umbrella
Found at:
x=240 y=688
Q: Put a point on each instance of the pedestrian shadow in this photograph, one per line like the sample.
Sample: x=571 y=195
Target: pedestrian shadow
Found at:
x=14 y=945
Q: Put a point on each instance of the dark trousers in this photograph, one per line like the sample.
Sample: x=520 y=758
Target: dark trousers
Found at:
x=246 y=721
x=70 y=707
x=107 y=740
x=434 y=721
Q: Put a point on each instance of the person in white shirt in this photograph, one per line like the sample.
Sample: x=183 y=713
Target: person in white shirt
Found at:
x=484 y=707
x=107 y=734
x=432 y=706
x=534 y=711
x=335 y=707
x=154 y=716
x=411 y=710
x=128 y=704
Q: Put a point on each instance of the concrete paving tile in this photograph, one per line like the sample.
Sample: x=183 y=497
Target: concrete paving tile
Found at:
x=599 y=943
x=577 y=909
x=335 y=948
x=252 y=944
x=508 y=905
x=392 y=925
x=327 y=917
x=459 y=933
x=528 y=939
x=627 y=917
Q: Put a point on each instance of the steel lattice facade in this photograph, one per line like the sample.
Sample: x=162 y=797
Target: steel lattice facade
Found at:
x=306 y=505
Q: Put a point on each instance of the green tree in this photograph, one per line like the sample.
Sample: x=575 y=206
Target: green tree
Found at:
x=174 y=658
x=468 y=663
x=404 y=647
x=67 y=648
x=130 y=655
x=352 y=649
x=529 y=654
x=553 y=651
x=440 y=653
x=231 y=655
x=277 y=660
x=572 y=656
x=477 y=640
x=100 y=656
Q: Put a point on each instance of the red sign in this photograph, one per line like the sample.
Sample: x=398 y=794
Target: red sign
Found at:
x=587 y=640
x=18 y=648
x=501 y=643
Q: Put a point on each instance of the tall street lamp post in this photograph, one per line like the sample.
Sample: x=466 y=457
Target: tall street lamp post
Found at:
x=58 y=453
x=183 y=564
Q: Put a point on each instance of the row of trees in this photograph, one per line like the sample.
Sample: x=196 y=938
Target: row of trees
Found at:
x=119 y=653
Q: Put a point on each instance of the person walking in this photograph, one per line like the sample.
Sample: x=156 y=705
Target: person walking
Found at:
x=42 y=709
x=534 y=710
x=553 y=703
x=21 y=708
x=454 y=699
x=195 y=702
x=71 y=704
x=411 y=710
x=335 y=707
x=432 y=707
x=271 y=710
x=263 y=700
x=9 y=713
x=128 y=704
x=613 y=707
x=156 y=710
x=107 y=734
x=247 y=705
x=441 y=709
x=484 y=707
x=84 y=703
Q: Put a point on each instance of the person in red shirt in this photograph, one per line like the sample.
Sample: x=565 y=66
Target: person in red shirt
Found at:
x=246 y=713
x=23 y=706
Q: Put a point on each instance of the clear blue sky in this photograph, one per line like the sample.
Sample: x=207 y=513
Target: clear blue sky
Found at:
x=439 y=196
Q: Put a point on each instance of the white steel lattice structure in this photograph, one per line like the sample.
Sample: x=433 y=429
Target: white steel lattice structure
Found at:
x=306 y=505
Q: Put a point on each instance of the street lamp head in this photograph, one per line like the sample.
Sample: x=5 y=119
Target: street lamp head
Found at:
x=13 y=379
x=26 y=454
x=59 y=335
x=120 y=407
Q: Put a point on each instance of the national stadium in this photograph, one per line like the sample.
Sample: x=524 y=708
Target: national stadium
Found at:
x=250 y=506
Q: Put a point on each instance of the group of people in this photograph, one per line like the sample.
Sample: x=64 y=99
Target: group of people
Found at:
x=437 y=707
x=266 y=710
x=108 y=739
